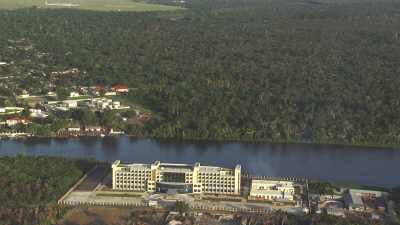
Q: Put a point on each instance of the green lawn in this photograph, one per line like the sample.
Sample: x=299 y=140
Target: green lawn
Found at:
x=99 y=5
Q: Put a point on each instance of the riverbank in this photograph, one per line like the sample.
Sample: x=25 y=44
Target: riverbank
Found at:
x=262 y=141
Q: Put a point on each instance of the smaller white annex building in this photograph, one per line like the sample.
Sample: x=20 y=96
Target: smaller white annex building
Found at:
x=272 y=190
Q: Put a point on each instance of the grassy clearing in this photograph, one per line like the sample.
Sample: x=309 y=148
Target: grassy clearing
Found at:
x=98 y=5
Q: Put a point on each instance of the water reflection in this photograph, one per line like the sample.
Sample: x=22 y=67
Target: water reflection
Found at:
x=88 y=141
x=36 y=141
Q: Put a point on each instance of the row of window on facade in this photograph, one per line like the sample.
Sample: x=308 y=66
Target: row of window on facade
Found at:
x=124 y=173
x=216 y=178
x=218 y=190
x=271 y=197
x=141 y=187
x=129 y=179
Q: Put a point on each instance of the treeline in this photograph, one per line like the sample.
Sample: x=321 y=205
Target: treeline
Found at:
x=302 y=71
x=31 y=186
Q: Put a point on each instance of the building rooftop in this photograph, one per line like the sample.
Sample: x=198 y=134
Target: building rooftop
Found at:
x=176 y=168
x=272 y=182
x=368 y=192
x=212 y=169
x=131 y=166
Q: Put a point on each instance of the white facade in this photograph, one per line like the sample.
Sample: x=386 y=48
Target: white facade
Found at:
x=272 y=190
x=73 y=129
x=70 y=104
x=189 y=178
x=37 y=113
x=110 y=93
x=104 y=103
x=74 y=94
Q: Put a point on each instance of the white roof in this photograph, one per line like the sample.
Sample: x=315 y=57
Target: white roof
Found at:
x=212 y=169
x=272 y=182
x=139 y=166
x=176 y=167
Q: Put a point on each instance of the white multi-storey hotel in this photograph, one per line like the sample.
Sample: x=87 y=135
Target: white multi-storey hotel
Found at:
x=162 y=177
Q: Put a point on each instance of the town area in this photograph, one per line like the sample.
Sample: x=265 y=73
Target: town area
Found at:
x=183 y=192
x=48 y=101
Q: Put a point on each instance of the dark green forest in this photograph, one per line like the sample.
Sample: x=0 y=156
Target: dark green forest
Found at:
x=283 y=71
x=31 y=186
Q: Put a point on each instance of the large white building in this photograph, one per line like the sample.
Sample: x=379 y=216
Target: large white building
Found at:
x=272 y=190
x=164 y=177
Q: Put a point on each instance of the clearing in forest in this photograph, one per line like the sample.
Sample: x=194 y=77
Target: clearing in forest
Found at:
x=99 y=5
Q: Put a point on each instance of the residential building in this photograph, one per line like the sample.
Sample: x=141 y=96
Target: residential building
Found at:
x=74 y=94
x=120 y=88
x=104 y=103
x=37 y=113
x=272 y=190
x=164 y=177
x=16 y=120
x=51 y=94
x=93 y=129
x=70 y=104
x=73 y=129
x=110 y=93
x=24 y=95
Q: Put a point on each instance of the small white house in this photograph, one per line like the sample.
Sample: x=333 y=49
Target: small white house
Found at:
x=70 y=104
x=74 y=129
x=93 y=129
x=24 y=96
x=152 y=203
x=37 y=113
x=51 y=94
x=110 y=93
x=74 y=94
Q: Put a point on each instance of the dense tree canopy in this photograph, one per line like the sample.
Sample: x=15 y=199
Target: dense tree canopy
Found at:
x=318 y=71
x=30 y=187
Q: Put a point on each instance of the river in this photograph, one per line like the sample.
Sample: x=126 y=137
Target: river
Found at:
x=368 y=166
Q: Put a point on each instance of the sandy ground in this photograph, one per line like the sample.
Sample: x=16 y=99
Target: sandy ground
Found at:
x=111 y=216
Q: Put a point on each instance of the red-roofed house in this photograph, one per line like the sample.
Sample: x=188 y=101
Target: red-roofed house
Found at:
x=120 y=88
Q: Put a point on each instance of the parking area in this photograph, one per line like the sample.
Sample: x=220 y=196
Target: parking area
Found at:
x=94 y=178
x=93 y=198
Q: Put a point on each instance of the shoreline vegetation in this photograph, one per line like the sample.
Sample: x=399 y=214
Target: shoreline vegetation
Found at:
x=367 y=146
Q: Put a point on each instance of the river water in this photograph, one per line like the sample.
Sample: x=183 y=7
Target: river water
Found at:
x=368 y=166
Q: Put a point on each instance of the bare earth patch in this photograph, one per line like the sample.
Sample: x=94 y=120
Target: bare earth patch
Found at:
x=111 y=216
